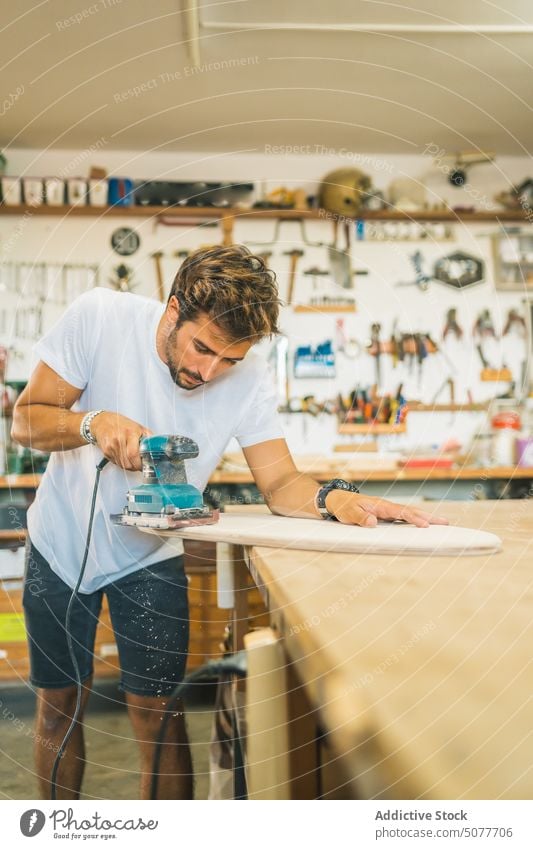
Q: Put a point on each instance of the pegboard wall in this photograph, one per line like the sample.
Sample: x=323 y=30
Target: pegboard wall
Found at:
x=385 y=263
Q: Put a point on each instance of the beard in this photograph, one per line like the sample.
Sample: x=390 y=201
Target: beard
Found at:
x=182 y=377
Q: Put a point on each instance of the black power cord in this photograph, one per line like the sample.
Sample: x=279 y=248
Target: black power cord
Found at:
x=234 y=664
x=66 y=738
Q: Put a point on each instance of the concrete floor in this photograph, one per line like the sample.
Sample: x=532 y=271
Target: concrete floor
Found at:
x=111 y=751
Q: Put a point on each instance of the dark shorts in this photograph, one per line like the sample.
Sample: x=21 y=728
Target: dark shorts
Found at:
x=150 y=617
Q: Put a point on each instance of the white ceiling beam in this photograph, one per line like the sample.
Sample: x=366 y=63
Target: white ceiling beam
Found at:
x=445 y=29
x=192 y=28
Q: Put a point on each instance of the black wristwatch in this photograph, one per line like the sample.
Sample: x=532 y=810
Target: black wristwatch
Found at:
x=323 y=492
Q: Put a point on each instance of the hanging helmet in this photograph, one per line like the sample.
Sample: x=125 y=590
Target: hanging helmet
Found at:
x=343 y=191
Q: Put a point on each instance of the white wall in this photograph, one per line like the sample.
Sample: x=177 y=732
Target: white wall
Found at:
x=56 y=240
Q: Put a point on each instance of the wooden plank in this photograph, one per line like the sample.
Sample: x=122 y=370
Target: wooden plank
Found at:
x=240 y=612
x=303 y=740
x=19 y=481
x=18 y=535
x=267 y=716
x=10 y=601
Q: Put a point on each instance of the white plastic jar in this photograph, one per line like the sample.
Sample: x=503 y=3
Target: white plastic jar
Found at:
x=505 y=429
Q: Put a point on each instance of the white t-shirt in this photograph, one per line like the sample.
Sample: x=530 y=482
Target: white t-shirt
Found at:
x=105 y=344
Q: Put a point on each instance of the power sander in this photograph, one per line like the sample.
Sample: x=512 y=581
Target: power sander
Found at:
x=165 y=500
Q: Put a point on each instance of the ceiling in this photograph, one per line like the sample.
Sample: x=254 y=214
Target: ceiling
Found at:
x=282 y=73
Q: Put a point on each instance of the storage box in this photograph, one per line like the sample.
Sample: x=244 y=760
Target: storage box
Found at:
x=76 y=191
x=11 y=191
x=33 y=191
x=54 y=189
x=524 y=452
x=98 y=192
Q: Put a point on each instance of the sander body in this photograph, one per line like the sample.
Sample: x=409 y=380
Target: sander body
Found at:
x=165 y=500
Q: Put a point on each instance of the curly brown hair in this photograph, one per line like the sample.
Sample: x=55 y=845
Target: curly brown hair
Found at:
x=234 y=287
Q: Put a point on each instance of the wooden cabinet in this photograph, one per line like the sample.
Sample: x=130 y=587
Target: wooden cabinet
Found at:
x=14 y=665
x=14 y=659
x=513 y=260
x=207 y=622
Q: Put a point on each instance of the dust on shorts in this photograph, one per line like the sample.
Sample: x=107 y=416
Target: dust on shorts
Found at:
x=150 y=616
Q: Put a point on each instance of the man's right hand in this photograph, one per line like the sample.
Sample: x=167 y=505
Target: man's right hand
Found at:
x=43 y=419
x=118 y=439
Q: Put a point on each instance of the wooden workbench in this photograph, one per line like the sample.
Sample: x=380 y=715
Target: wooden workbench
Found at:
x=418 y=667
x=326 y=470
x=329 y=468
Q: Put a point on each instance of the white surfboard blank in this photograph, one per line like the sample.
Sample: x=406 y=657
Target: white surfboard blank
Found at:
x=317 y=535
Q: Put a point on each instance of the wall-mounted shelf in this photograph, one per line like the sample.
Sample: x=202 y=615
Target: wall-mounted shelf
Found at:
x=447 y=408
x=323 y=308
x=496 y=375
x=513 y=260
x=372 y=429
x=212 y=212
x=356 y=448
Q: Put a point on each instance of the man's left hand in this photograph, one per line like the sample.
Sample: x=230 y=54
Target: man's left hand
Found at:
x=355 y=509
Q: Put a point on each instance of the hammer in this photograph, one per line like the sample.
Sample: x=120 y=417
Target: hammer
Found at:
x=182 y=254
x=294 y=255
x=159 y=274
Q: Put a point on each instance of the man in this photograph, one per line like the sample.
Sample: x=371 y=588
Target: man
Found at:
x=115 y=367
